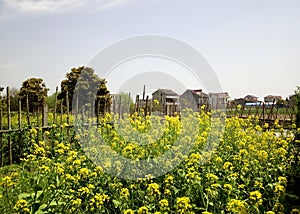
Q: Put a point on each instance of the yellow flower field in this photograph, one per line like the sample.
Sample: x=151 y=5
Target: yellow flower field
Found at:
x=240 y=167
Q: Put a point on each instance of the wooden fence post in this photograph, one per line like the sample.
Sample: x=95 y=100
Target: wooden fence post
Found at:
x=20 y=126
x=98 y=112
x=137 y=103
x=128 y=104
x=55 y=107
x=61 y=112
x=146 y=105
x=119 y=106
x=263 y=112
x=9 y=125
x=68 y=119
x=45 y=115
x=27 y=111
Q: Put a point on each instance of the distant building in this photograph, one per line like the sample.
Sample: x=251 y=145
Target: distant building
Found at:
x=240 y=101
x=251 y=99
x=168 y=101
x=194 y=99
x=218 y=100
x=272 y=99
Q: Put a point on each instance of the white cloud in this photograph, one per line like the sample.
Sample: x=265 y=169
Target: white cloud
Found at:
x=32 y=7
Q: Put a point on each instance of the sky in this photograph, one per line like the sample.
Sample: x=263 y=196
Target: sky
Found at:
x=252 y=45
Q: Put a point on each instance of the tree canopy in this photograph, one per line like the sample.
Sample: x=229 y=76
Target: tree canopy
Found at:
x=36 y=90
x=84 y=88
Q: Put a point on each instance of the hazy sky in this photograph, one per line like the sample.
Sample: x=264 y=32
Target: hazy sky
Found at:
x=252 y=45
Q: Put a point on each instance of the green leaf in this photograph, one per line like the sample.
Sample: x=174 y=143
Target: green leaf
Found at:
x=43 y=206
x=55 y=203
x=292 y=196
x=38 y=194
x=57 y=181
x=24 y=195
x=117 y=203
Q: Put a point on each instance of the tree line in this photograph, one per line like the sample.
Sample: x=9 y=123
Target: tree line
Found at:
x=81 y=84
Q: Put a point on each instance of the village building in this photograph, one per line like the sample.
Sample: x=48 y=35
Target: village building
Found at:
x=168 y=101
x=194 y=99
x=218 y=100
x=272 y=99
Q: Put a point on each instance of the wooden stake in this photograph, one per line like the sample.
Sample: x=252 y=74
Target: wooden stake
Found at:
x=55 y=103
x=9 y=125
x=27 y=111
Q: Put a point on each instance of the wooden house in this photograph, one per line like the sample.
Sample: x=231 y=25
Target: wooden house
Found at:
x=218 y=100
x=251 y=99
x=272 y=99
x=194 y=99
x=168 y=101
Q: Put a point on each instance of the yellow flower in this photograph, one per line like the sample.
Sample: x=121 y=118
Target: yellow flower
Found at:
x=262 y=155
x=282 y=152
x=241 y=186
x=167 y=192
x=59 y=168
x=256 y=197
x=99 y=199
x=211 y=177
x=153 y=189
x=227 y=165
x=143 y=210
x=77 y=162
x=183 y=204
x=295 y=211
x=84 y=191
x=129 y=211
x=218 y=159
x=84 y=172
x=91 y=186
x=33 y=131
x=282 y=179
x=279 y=189
x=215 y=186
x=44 y=169
x=266 y=125
x=205 y=212
x=7 y=181
x=227 y=187
x=76 y=202
x=21 y=205
x=169 y=179
x=164 y=204
x=258 y=184
x=124 y=193
x=270 y=212
x=237 y=206
x=39 y=151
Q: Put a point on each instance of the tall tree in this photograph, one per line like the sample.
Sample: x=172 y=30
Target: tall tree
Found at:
x=14 y=99
x=1 y=102
x=84 y=88
x=297 y=99
x=36 y=90
x=51 y=101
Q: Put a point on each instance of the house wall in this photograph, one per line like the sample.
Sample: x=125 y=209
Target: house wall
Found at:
x=217 y=101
